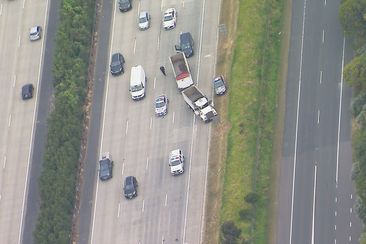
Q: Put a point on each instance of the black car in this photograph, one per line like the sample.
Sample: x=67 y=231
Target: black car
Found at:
x=117 y=61
x=105 y=168
x=125 y=5
x=130 y=187
x=27 y=91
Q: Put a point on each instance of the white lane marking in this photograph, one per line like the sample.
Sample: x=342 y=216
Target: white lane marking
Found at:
x=297 y=122
x=154 y=82
x=321 y=77
x=14 y=79
x=30 y=152
x=102 y=131
x=351 y=196
x=189 y=178
x=166 y=200
x=23 y=3
x=340 y=111
x=9 y=121
x=162 y=239
x=318 y=116
x=335 y=227
x=323 y=37
x=349 y=238
x=325 y=2
x=200 y=48
x=19 y=41
x=123 y=168
x=350 y=210
x=138 y=7
x=350 y=224
x=173 y=117
x=151 y=120
x=126 y=127
x=4 y=162
x=336 y=199
x=1 y=9
x=0 y=196
x=134 y=46
x=335 y=213
x=143 y=205
x=158 y=43
x=147 y=163
x=119 y=209
x=314 y=194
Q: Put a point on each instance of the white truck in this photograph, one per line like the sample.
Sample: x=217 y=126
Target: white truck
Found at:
x=199 y=103
x=181 y=70
x=176 y=162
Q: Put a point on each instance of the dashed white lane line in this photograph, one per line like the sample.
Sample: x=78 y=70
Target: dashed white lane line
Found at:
x=335 y=213
x=325 y=2
x=158 y=42
x=162 y=239
x=321 y=77
x=350 y=210
x=9 y=120
x=18 y=41
x=1 y=9
x=134 y=46
x=173 y=117
x=323 y=37
x=166 y=200
x=151 y=122
x=4 y=164
x=123 y=168
x=154 y=82
x=119 y=209
x=14 y=79
x=318 y=116
x=147 y=163
x=143 y=205
x=126 y=127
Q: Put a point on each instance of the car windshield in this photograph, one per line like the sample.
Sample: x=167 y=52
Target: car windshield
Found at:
x=168 y=17
x=124 y=2
x=175 y=162
x=159 y=103
x=136 y=88
x=143 y=19
x=218 y=83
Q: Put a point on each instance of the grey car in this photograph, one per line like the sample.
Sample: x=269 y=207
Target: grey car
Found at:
x=130 y=187
x=105 y=167
x=144 y=20
x=124 y=5
x=161 y=105
x=219 y=85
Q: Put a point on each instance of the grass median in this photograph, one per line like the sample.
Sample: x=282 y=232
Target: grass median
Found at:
x=252 y=112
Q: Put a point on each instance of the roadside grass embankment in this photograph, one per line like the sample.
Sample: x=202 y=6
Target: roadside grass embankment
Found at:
x=252 y=114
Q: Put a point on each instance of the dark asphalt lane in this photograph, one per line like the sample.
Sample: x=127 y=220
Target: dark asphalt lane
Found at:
x=44 y=101
x=323 y=196
x=90 y=170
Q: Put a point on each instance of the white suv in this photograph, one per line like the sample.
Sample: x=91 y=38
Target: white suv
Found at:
x=176 y=162
x=170 y=19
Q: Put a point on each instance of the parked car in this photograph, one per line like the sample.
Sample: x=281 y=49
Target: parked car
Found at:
x=117 y=61
x=219 y=85
x=105 y=167
x=130 y=187
x=161 y=105
x=125 y=5
x=27 y=91
x=35 y=33
x=144 y=20
x=170 y=19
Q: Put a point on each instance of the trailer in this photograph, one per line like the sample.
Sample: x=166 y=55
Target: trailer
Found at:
x=181 y=70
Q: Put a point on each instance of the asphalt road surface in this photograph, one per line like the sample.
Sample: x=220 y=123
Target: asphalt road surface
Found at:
x=20 y=63
x=167 y=209
x=316 y=195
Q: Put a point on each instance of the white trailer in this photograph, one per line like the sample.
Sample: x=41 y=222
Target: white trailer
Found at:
x=181 y=70
x=199 y=103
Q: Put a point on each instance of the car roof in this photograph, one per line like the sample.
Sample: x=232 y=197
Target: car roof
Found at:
x=143 y=14
x=159 y=98
x=34 y=28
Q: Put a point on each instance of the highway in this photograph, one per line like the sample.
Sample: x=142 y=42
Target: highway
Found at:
x=20 y=63
x=316 y=194
x=167 y=209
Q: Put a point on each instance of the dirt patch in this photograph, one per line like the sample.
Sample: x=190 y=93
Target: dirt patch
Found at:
x=227 y=33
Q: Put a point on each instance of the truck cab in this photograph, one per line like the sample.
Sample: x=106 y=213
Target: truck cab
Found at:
x=176 y=162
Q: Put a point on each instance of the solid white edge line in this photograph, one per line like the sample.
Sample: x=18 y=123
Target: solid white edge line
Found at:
x=340 y=112
x=91 y=237
x=297 y=123
x=30 y=153
x=189 y=180
x=314 y=194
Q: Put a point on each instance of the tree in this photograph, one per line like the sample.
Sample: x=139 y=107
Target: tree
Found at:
x=355 y=73
x=230 y=233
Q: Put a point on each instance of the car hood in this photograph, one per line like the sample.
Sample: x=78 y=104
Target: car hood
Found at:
x=160 y=110
x=168 y=23
x=220 y=89
x=176 y=168
x=144 y=25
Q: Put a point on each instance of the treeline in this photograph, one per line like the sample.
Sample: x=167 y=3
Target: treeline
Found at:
x=353 y=18
x=65 y=124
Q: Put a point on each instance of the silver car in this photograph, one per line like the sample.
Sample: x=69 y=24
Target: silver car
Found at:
x=35 y=33
x=144 y=20
x=219 y=85
x=161 y=106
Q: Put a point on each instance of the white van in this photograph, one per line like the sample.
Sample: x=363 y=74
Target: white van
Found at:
x=137 y=82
